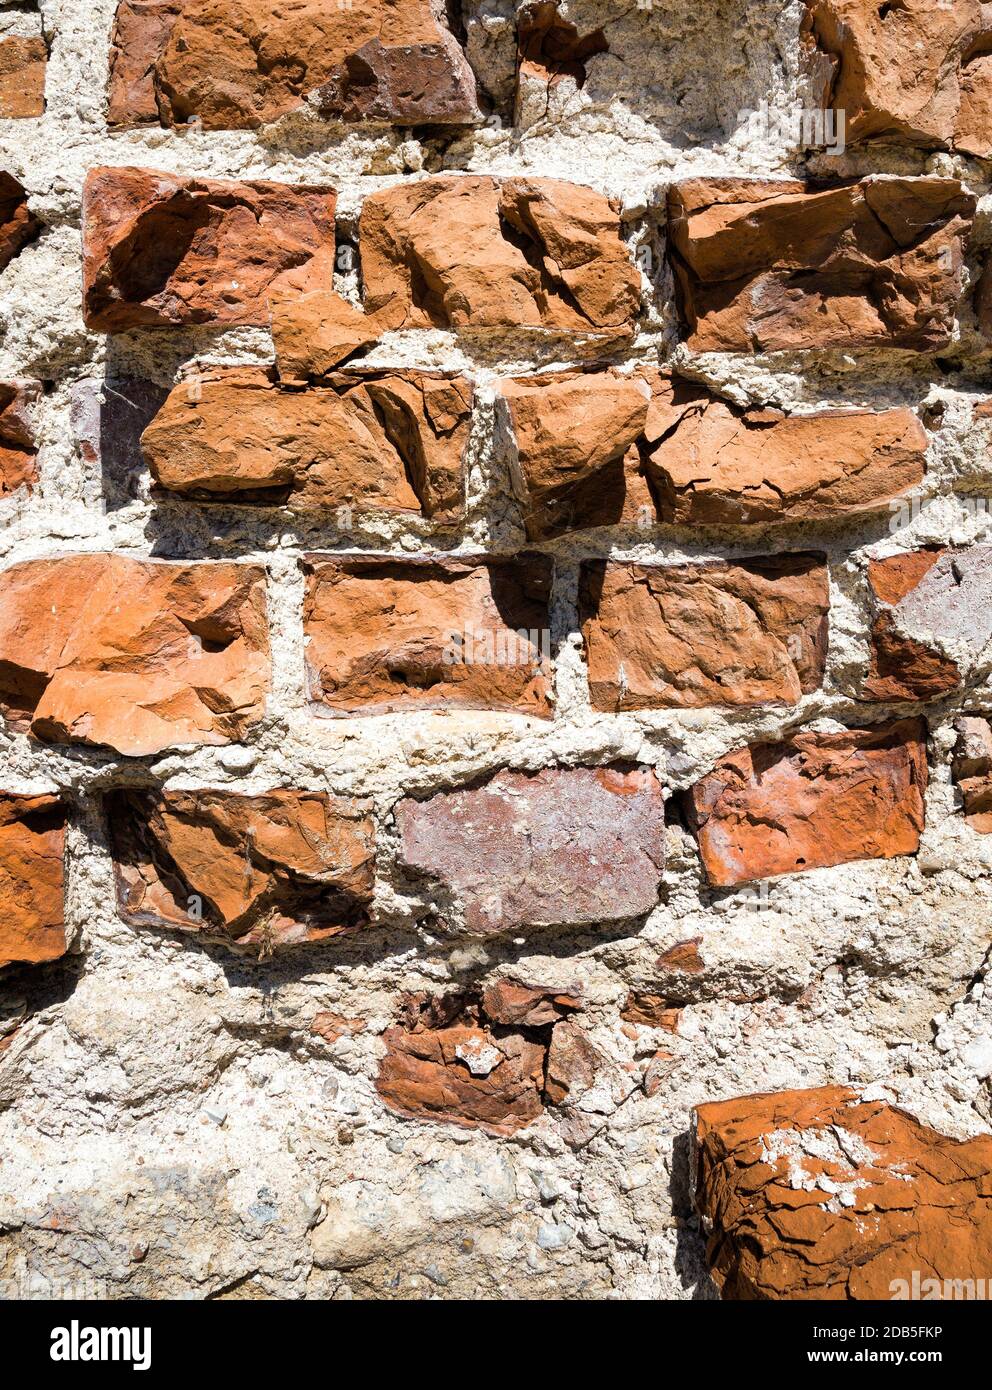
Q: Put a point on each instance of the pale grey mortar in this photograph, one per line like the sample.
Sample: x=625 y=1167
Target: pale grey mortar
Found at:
x=186 y=1079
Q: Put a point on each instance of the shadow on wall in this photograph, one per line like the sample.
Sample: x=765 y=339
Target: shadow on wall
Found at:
x=26 y=990
x=690 y=1242
x=108 y=417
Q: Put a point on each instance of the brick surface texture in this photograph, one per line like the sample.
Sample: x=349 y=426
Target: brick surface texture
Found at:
x=495 y=649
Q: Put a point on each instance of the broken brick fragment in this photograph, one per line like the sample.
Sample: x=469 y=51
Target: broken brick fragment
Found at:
x=510 y=1001
x=933 y=618
x=23 y=64
x=332 y=1027
x=573 y=1063
x=971 y=766
x=683 y=957
x=820 y=1194
x=314 y=332
x=18 y=455
x=657 y=1070
x=18 y=224
x=652 y=1010
x=449 y=1059
x=550 y=47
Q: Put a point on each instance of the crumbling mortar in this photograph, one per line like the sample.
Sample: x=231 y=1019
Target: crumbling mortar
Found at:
x=150 y=999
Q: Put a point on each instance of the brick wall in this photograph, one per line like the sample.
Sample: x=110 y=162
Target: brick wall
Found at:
x=494 y=647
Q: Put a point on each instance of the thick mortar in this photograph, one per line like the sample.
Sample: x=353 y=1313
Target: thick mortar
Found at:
x=170 y=1125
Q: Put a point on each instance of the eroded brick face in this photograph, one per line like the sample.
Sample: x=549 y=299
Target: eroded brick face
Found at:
x=388 y=635
x=133 y=655
x=575 y=846
x=160 y=250
x=714 y=464
x=912 y=73
x=695 y=635
x=32 y=855
x=238 y=64
x=262 y=873
x=482 y=253
x=822 y=1195
x=812 y=800
x=574 y=450
x=23 y=62
x=389 y=441
x=772 y=266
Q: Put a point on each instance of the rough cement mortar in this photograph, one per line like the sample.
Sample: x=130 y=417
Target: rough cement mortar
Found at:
x=170 y=1126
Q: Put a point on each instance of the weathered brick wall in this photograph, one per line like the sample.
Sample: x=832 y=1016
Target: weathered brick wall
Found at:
x=494 y=647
